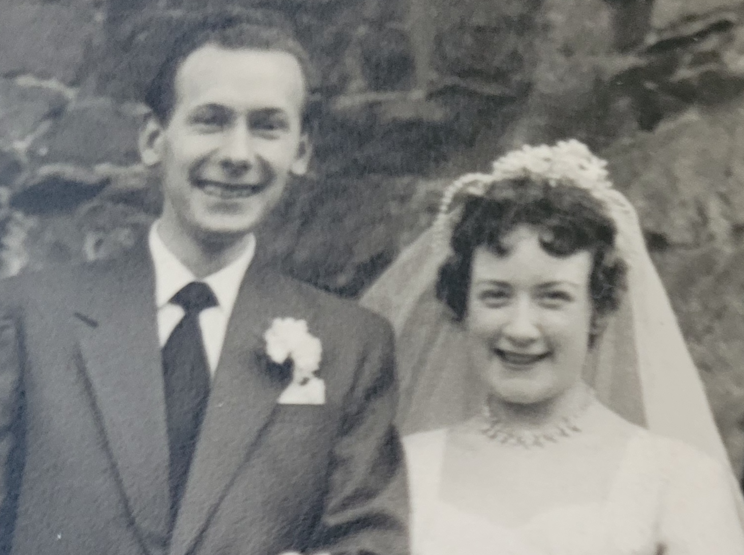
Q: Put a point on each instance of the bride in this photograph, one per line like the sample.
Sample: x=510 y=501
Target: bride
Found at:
x=534 y=281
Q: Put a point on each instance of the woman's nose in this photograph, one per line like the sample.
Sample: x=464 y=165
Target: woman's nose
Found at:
x=522 y=327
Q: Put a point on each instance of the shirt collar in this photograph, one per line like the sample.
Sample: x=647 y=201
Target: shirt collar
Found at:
x=171 y=275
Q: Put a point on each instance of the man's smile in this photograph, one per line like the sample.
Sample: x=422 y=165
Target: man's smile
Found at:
x=230 y=191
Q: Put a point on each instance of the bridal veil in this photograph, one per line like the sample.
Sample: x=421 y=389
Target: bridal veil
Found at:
x=640 y=367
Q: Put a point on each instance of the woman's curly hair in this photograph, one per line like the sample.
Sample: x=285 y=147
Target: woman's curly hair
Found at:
x=567 y=219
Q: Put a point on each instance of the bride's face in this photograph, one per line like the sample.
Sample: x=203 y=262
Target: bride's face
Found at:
x=528 y=319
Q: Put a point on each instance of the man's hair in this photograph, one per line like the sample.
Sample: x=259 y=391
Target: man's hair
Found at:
x=567 y=219
x=235 y=31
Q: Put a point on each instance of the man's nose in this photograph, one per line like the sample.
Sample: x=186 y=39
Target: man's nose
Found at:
x=237 y=155
x=522 y=329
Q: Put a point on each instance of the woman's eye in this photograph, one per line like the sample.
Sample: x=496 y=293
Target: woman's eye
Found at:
x=555 y=298
x=494 y=297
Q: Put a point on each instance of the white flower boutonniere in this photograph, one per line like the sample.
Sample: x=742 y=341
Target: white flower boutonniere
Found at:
x=289 y=341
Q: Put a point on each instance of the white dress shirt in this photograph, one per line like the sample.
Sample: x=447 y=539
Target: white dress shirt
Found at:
x=171 y=276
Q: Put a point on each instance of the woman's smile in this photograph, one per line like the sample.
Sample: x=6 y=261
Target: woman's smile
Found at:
x=520 y=360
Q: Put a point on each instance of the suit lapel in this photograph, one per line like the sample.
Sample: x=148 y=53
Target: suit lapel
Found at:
x=242 y=401
x=117 y=329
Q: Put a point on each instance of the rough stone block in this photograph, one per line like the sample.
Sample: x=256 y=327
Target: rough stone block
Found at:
x=11 y=168
x=669 y=12
x=387 y=60
x=340 y=233
x=139 y=44
x=94 y=230
x=393 y=135
x=565 y=73
x=488 y=44
x=714 y=328
x=89 y=133
x=23 y=109
x=680 y=176
x=46 y=39
x=133 y=186
x=57 y=189
x=134 y=52
x=109 y=229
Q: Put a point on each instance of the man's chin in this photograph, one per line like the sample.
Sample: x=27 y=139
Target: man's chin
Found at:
x=224 y=233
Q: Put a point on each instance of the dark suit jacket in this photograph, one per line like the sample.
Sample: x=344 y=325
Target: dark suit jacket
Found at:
x=83 y=434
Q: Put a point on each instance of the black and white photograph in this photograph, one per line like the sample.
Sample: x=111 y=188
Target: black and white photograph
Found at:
x=371 y=277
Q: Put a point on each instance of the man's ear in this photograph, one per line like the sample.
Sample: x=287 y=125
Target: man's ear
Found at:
x=304 y=153
x=150 y=141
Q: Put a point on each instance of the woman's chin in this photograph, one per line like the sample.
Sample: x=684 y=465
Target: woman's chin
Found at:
x=523 y=393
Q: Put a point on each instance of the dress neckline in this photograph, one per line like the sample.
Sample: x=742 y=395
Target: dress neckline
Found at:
x=614 y=489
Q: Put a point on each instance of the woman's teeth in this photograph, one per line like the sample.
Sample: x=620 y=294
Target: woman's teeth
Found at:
x=520 y=359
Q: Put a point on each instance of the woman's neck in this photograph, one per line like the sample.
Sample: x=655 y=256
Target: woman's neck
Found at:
x=550 y=412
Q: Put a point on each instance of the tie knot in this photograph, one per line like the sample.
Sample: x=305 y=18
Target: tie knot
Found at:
x=195 y=297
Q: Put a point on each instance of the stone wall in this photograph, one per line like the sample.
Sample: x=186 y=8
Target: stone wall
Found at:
x=416 y=92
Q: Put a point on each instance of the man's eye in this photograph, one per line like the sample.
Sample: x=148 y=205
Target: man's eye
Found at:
x=270 y=125
x=210 y=119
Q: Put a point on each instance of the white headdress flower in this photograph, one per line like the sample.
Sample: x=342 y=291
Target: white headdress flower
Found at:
x=565 y=163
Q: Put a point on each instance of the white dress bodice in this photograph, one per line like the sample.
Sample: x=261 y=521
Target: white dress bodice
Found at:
x=665 y=498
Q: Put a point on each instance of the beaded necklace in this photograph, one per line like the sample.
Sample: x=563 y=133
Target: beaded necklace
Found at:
x=495 y=428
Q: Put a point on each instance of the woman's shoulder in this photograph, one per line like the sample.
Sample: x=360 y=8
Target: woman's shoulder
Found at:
x=700 y=501
x=671 y=449
x=675 y=461
x=653 y=450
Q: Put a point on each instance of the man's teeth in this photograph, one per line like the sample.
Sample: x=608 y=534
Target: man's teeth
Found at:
x=229 y=191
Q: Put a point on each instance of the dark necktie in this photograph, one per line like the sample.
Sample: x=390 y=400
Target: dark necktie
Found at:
x=186 y=379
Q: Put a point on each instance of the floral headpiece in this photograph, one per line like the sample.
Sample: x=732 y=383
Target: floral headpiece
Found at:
x=565 y=163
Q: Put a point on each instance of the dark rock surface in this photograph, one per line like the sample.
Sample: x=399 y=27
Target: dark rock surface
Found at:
x=89 y=132
x=414 y=93
x=50 y=40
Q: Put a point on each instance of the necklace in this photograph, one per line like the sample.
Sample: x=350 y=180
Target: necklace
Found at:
x=494 y=427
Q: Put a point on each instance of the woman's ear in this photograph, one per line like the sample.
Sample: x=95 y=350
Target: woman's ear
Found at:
x=597 y=327
x=150 y=141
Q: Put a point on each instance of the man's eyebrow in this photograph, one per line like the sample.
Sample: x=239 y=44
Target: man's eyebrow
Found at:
x=559 y=283
x=210 y=107
x=269 y=112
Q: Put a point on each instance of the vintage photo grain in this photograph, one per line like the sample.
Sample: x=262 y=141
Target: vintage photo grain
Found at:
x=371 y=277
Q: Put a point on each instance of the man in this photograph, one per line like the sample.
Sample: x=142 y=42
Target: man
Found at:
x=187 y=399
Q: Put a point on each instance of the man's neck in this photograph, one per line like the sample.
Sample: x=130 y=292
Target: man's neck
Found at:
x=203 y=258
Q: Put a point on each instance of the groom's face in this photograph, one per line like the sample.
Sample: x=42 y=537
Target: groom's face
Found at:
x=232 y=142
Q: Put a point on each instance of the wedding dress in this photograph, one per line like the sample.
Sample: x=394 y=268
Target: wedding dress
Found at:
x=674 y=486
x=665 y=497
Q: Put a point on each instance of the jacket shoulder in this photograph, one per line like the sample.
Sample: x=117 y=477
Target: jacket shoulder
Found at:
x=55 y=283
x=342 y=313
